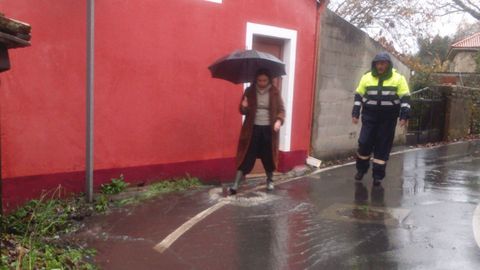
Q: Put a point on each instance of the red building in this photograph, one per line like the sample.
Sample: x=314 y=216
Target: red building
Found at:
x=158 y=113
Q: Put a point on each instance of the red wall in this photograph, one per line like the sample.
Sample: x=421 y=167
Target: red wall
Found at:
x=157 y=111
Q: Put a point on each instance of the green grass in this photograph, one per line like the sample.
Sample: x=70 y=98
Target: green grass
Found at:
x=32 y=235
x=116 y=186
x=162 y=187
x=35 y=254
x=102 y=203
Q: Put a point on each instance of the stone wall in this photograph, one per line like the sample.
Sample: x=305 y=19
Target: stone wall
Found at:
x=459 y=110
x=345 y=54
x=464 y=61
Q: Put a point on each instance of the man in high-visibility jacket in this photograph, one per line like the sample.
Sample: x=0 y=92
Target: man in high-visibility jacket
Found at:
x=382 y=96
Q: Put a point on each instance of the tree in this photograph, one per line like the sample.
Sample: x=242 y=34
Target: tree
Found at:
x=430 y=58
x=401 y=22
x=396 y=21
x=465 y=30
x=471 y=7
x=433 y=50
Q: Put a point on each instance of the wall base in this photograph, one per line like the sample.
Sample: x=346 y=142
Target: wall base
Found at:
x=19 y=190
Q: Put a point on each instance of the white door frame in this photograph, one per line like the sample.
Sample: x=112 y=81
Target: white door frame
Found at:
x=288 y=82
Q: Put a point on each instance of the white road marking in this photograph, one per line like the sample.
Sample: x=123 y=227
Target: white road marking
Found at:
x=171 y=238
x=476 y=224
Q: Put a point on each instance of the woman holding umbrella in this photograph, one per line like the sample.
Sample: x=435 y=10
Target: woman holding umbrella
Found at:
x=261 y=105
x=264 y=112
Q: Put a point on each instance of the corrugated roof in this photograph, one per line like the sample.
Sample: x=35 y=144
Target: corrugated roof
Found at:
x=472 y=41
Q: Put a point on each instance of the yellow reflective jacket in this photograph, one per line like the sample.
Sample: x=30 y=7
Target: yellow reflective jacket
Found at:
x=378 y=92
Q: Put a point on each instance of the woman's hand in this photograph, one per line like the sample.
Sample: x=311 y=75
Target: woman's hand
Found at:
x=277 y=125
x=245 y=102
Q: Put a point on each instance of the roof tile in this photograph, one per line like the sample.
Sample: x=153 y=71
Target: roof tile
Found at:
x=472 y=41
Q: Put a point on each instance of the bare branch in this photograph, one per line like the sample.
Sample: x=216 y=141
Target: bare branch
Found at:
x=468 y=9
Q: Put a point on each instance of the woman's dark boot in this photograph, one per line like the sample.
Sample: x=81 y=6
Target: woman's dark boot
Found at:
x=270 y=185
x=236 y=183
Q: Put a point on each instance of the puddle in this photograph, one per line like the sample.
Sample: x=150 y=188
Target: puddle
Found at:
x=247 y=199
x=365 y=214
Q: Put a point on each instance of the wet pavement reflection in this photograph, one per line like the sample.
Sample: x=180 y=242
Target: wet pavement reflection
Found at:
x=420 y=218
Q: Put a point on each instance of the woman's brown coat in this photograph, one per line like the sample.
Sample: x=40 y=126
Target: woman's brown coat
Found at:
x=277 y=112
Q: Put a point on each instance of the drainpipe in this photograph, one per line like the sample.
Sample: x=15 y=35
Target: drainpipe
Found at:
x=90 y=101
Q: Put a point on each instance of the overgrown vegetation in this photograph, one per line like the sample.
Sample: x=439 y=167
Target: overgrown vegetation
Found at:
x=31 y=236
x=101 y=203
x=116 y=186
x=156 y=189
x=35 y=236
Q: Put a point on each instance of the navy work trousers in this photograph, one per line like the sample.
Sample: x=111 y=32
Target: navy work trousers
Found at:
x=376 y=136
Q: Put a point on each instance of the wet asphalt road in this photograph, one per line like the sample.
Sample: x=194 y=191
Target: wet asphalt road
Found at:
x=421 y=218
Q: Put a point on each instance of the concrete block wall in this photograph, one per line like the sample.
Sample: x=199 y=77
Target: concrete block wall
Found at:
x=344 y=55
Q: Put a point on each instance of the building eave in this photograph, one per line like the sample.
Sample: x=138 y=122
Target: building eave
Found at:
x=454 y=50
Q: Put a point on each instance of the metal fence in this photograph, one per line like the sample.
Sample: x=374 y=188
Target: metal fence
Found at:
x=427 y=120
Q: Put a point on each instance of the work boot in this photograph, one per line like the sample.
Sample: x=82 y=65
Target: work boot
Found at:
x=362 y=168
x=359 y=176
x=270 y=185
x=236 y=183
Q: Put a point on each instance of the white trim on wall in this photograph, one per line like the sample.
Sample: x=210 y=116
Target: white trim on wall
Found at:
x=215 y=1
x=289 y=57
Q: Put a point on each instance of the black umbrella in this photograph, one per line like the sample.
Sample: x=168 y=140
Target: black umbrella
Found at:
x=241 y=66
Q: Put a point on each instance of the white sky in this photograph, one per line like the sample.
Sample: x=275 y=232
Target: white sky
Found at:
x=448 y=25
x=445 y=26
